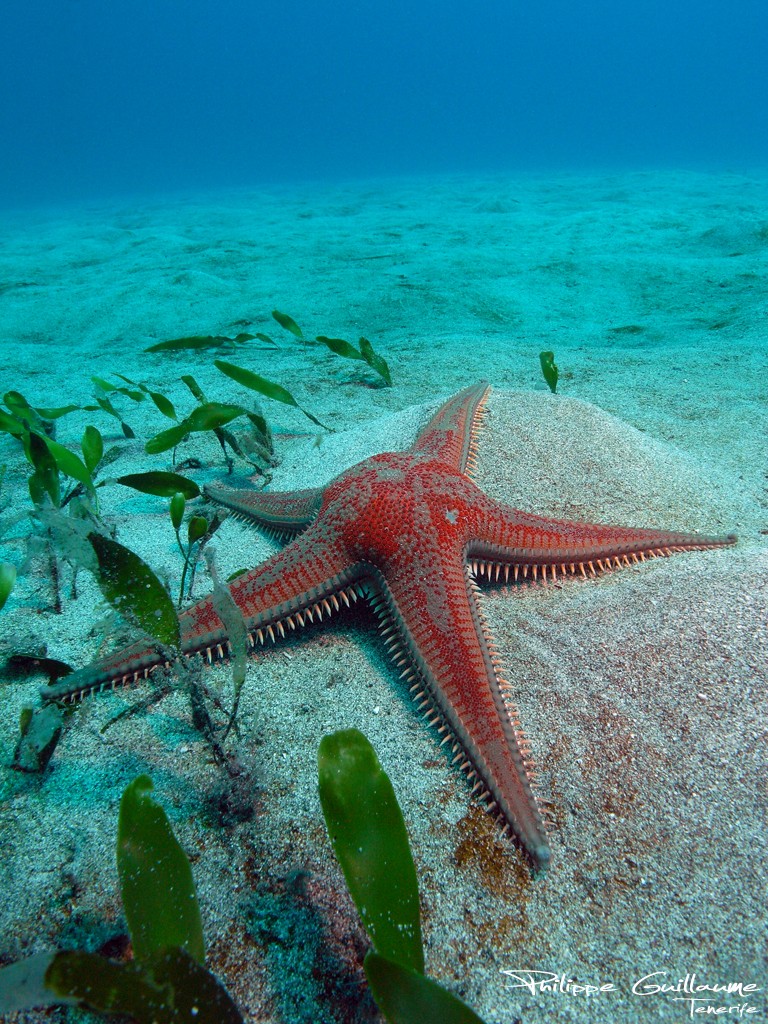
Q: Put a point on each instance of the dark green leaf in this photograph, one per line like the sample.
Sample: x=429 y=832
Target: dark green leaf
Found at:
x=171 y=989
x=7 y=580
x=20 y=407
x=103 y=384
x=266 y=338
x=407 y=997
x=340 y=347
x=106 y=405
x=252 y=380
x=192 y=341
x=156 y=881
x=12 y=425
x=109 y=987
x=92 y=446
x=177 y=506
x=135 y=392
x=165 y=485
x=377 y=362
x=45 y=479
x=198 y=997
x=193 y=386
x=287 y=322
x=197 y=527
x=370 y=841
x=132 y=589
x=37 y=491
x=167 y=439
x=165 y=405
x=23 y=664
x=262 y=427
x=212 y=415
x=54 y=414
x=69 y=463
x=548 y=368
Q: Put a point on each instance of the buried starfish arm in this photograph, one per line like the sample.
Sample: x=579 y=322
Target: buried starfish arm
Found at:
x=308 y=579
x=286 y=512
x=437 y=634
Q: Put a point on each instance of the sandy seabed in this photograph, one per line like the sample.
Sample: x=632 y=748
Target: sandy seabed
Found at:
x=643 y=692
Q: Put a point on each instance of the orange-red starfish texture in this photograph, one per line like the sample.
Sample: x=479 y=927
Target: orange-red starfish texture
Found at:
x=412 y=533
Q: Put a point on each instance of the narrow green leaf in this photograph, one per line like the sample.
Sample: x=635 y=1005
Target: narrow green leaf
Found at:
x=198 y=996
x=252 y=380
x=193 y=386
x=368 y=835
x=12 y=425
x=167 y=439
x=109 y=987
x=69 y=463
x=266 y=338
x=54 y=414
x=165 y=485
x=374 y=360
x=37 y=491
x=19 y=406
x=134 y=590
x=340 y=347
x=156 y=881
x=197 y=527
x=261 y=427
x=548 y=368
x=92 y=446
x=171 y=989
x=7 y=581
x=192 y=341
x=287 y=322
x=212 y=415
x=404 y=996
x=165 y=405
x=45 y=479
x=176 y=509
x=105 y=404
x=103 y=384
x=200 y=341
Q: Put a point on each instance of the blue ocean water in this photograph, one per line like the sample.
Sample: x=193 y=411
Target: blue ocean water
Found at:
x=148 y=95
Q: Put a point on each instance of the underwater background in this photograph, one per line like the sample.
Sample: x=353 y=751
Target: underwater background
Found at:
x=141 y=96
x=469 y=188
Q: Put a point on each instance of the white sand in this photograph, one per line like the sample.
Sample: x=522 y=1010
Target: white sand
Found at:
x=643 y=692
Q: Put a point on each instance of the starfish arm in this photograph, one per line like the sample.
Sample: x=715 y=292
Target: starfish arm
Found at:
x=285 y=512
x=450 y=436
x=523 y=544
x=309 y=578
x=435 y=627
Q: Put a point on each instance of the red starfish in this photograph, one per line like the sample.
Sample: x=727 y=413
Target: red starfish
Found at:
x=411 y=532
